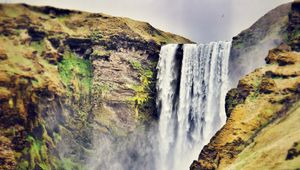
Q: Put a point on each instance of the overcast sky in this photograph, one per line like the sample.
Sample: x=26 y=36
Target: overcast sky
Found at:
x=198 y=20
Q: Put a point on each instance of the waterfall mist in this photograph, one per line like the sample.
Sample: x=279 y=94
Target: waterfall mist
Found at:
x=251 y=57
x=132 y=152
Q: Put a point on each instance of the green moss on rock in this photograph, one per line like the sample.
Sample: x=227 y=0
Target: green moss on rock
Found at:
x=76 y=73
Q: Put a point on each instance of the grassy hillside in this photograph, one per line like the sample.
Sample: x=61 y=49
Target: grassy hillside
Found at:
x=263 y=119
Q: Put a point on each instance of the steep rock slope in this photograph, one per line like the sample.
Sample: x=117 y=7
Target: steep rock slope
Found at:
x=250 y=47
x=262 y=130
x=67 y=75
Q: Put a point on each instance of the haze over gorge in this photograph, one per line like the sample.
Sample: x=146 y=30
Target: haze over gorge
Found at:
x=91 y=91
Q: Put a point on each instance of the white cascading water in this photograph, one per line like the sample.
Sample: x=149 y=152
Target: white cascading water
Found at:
x=191 y=100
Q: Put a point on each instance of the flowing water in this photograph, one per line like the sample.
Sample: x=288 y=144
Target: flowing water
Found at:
x=192 y=84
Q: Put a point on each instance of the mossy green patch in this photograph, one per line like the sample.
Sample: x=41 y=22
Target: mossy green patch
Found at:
x=254 y=94
x=38 y=154
x=100 y=53
x=239 y=45
x=23 y=165
x=136 y=65
x=96 y=36
x=286 y=37
x=141 y=94
x=69 y=164
x=103 y=88
x=76 y=73
x=11 y=103
x=57 y=137
x=296 y=34
x=143 y=89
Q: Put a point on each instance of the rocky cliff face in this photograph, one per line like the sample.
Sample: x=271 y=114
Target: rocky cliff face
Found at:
x=67 y=75
x=262 y=129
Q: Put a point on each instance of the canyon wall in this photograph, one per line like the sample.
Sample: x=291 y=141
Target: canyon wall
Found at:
x=70 y=77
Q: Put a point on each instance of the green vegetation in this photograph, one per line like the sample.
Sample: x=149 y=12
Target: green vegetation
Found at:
x=11 y=103
x=255 y=91
x=69 y=79
x=100 y=54
x=286 y=37
x=240 y=45
x=23 y=165
x=253 y=96
x=37 y=153
x=57 y=137
x=103 y=88
x=136 y=65
x=142 y=90
x=141 y=96
x=68 y=164
x=96 y=36
x=76 y=73
x=296 y=34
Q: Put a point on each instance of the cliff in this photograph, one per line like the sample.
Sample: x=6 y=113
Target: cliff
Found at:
x=68 y=75
x=250 y=47
x=262 y=129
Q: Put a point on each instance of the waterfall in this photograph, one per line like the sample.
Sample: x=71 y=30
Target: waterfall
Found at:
x=191 y=86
